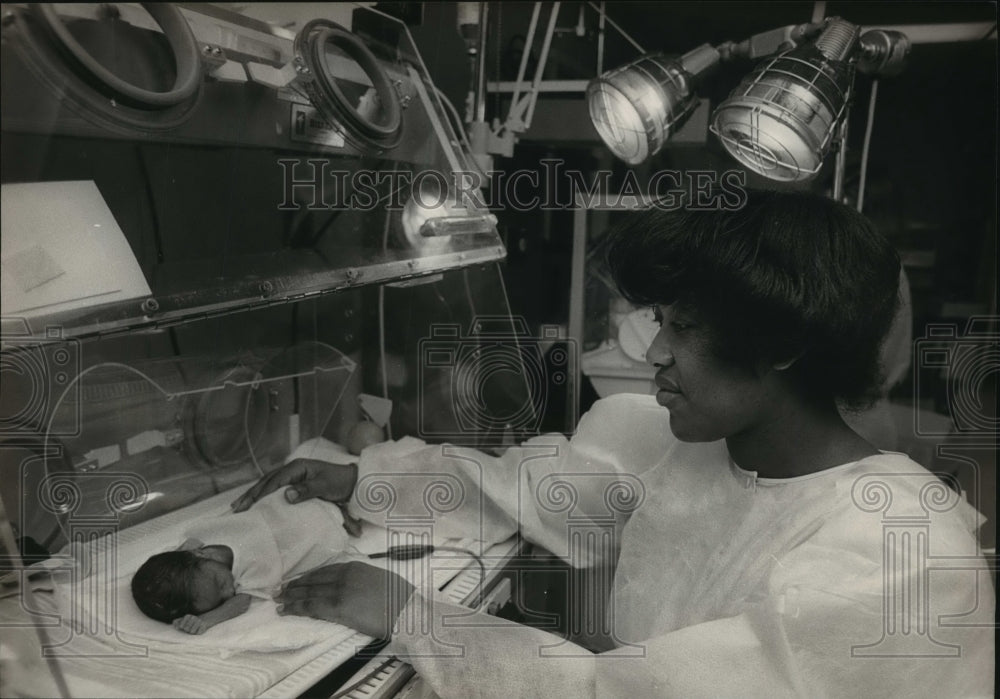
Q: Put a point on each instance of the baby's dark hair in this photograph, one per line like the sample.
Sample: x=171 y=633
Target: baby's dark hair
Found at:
x=162 y=585
x=789 y=275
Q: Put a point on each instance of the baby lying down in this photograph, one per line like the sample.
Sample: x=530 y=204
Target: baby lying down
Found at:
x=203 y=584
x=193 y=588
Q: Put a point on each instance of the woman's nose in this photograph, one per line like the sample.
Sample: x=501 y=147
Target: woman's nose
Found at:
x=659 y=353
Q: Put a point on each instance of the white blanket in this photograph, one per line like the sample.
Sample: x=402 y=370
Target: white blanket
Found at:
x=97 y=660
x=272 y=542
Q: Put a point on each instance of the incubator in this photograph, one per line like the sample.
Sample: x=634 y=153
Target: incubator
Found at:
x=228 y=238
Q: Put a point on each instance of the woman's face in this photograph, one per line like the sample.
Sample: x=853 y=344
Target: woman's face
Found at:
x=708 y=398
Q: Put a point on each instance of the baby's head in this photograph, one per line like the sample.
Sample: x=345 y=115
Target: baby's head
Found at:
x=172 y=584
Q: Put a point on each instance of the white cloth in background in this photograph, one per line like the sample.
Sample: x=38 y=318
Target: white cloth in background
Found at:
x=726 y=584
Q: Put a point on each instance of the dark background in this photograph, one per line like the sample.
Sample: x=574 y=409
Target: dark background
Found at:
x=931 y=183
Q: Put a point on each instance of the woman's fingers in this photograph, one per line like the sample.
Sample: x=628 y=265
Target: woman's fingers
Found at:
x=310 y=479
x=316 y=594
x=251 y=496
x=267 y=485
x=356 y=594
x=307 y=488
x=286 y=475
x=317 y=608
x=350 y=610
x=332 y=572
x=304 y=592
x=332 y=581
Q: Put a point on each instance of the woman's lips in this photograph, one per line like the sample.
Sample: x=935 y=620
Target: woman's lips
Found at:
x=665 y=383
x=669 y=390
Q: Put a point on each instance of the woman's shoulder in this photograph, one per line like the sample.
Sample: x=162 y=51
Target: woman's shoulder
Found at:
x=896 y=529
x=895 y=486
x=889 y=494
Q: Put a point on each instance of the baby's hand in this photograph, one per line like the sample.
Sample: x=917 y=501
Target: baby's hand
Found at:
x=190 y=623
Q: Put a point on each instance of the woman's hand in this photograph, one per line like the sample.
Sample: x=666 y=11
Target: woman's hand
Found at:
x=309 y=478
x=366 y=598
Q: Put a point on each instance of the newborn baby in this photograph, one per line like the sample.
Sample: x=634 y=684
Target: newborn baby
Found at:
x=198 y=585
x=193 y=588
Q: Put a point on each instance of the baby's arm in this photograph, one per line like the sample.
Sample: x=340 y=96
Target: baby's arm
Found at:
x=200 y=623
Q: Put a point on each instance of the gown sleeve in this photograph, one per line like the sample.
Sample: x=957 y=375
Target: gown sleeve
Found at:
x=822 y=626
x=540 y=485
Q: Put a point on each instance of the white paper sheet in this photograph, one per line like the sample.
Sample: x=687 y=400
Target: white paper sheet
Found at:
x=62 y=250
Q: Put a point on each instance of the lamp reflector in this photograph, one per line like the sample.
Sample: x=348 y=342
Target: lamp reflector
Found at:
x=638 y=106
x=781 y=119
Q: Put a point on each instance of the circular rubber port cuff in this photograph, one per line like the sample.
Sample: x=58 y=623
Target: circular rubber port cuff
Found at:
x=310 y=47
x=182 y=45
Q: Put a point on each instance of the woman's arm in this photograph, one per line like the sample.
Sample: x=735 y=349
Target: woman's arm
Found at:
x=820 y=632
x=308 y=478
x=546 y=488
x=200 y=623
x=822 y=623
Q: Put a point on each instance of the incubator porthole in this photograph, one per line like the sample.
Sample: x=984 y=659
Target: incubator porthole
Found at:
x=114 y=74
x=348 y=86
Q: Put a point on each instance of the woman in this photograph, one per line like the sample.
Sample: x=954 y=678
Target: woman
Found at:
x=763 y=556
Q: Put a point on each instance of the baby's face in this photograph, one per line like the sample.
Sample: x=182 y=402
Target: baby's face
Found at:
x=213 y=581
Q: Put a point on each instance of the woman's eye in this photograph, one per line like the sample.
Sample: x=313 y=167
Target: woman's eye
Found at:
x=657 y=316
x=679 y=326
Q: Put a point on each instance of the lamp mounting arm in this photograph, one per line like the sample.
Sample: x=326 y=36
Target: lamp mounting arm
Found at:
x=769 y=42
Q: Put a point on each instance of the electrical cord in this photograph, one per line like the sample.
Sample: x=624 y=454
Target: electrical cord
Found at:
x=463 y=135
x=413 y=551
x=867 y=145
x=468 y=293
x=381 y=312
x=246 y=430
x=454 y=116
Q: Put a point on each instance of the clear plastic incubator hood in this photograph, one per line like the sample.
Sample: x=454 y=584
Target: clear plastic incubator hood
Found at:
x=225 y=235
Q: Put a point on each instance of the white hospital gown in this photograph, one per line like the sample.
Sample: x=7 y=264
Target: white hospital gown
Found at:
x=856 y=581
